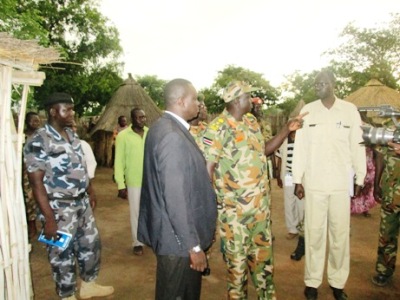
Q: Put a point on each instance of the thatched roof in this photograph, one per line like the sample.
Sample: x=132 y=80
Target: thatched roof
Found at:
x=375 y=93
x=128 y=96
x=25 y=55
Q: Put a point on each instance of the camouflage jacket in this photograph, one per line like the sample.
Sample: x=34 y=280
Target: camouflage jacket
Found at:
x=197 y=133
x=390 y=180
x=63 y=162
x=238 y=150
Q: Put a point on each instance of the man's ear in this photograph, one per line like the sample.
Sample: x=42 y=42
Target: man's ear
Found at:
x=52 y=111
x=180 y=101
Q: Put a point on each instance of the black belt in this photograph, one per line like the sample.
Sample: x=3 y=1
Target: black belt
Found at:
x=68 y=198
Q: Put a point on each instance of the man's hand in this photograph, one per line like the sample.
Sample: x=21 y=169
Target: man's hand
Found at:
x=357 y=190
x=297 y=122
x=299 y=191
x=123 y=193
x=395 y=147
x=378 y=193
x=50 y=229
x=198 y=261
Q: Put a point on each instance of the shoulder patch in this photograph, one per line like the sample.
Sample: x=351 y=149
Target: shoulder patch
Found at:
x=207 y=141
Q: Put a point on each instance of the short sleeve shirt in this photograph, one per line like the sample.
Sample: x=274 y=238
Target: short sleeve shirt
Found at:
x=62 y=161
x=238 y=150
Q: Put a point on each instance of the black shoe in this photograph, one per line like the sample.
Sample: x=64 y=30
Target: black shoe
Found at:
x=311 y=293
x=138 y=250
x=300 y=250
x=339 y=294
x=380 y=279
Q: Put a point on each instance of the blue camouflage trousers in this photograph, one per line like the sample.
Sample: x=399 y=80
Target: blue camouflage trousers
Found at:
x=388 y=239
x=75 y=217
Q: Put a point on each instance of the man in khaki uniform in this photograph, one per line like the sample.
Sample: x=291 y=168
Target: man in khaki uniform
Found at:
x=236 y=160
x=327 y=153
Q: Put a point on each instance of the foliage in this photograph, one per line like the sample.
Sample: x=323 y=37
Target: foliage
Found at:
x=20 y=22
x=212 y=100
x=298 y=86
x=367 y=53
x=230 y=73
x=364 y=53
x=154 y=88
x=89 y=45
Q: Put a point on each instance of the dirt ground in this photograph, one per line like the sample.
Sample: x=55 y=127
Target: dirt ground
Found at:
x=133 y=277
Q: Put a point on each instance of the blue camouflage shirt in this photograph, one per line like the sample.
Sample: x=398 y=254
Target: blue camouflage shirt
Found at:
x=63 y=162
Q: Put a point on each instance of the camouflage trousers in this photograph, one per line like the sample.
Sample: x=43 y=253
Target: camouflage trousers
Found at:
x=388 y=239
x=247 y=248
x=76 y=218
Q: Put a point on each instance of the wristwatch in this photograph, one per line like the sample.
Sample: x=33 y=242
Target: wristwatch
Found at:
x=196 y=249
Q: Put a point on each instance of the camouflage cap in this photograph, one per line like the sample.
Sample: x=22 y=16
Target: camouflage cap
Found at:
x=236 y=89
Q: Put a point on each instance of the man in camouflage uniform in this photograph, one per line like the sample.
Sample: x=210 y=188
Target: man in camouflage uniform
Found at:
x=387 y=192
x=60 y=182
x=236 y=160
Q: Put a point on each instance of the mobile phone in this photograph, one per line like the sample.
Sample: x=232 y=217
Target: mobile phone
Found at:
x=62 y=241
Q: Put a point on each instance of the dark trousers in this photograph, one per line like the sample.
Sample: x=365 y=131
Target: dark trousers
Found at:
x=176 y=280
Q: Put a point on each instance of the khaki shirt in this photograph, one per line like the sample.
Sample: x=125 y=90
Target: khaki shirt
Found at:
x=327 y=149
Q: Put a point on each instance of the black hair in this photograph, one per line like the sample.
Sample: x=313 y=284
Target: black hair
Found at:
x=29 y=116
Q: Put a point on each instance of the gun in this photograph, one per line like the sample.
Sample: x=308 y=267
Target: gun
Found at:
x=381 y=135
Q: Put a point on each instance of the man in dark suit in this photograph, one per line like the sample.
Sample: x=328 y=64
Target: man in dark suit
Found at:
x=178 y=210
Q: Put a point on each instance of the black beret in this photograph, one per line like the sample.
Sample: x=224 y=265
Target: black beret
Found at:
x=59 y=98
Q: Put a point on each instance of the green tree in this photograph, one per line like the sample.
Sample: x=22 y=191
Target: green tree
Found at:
x=298 y=86
x=230 y=73
x=212 y=100
x=367 y=53
x=89 y=45
x=154 y=88
x=20 y=22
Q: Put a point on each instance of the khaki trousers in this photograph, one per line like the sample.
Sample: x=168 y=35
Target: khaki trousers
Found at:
x=327 y=215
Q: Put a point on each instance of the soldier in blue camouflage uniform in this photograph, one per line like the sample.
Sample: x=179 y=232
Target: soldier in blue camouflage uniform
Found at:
x=236 y=160
x=60 y=182
x=387 y=192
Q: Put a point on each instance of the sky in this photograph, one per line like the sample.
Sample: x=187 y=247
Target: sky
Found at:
x=195 y=39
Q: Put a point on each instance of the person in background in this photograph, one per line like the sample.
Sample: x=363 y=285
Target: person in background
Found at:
x=266 y=131
x=387 y=193
x=294 y=207
x=236 y=155
x=199 y=124
x=91 y=162
x=32 y=122
x=60 y=183
x=362 y=203
x=128 y=169
x=178 y=207
x=121 y=125
x=327 y=153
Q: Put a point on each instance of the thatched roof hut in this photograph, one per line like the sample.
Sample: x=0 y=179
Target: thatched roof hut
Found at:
x=375 y=93
x=128 y=96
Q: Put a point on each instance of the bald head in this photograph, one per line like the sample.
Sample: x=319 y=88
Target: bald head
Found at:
x=174 y=90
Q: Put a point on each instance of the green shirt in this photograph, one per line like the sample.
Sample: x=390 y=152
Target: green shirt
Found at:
x=129 y=155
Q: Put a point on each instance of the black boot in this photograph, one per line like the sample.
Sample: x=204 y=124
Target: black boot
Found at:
x=300 y=249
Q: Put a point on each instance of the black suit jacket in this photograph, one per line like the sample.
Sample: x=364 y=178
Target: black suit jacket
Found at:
x=178 y=203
